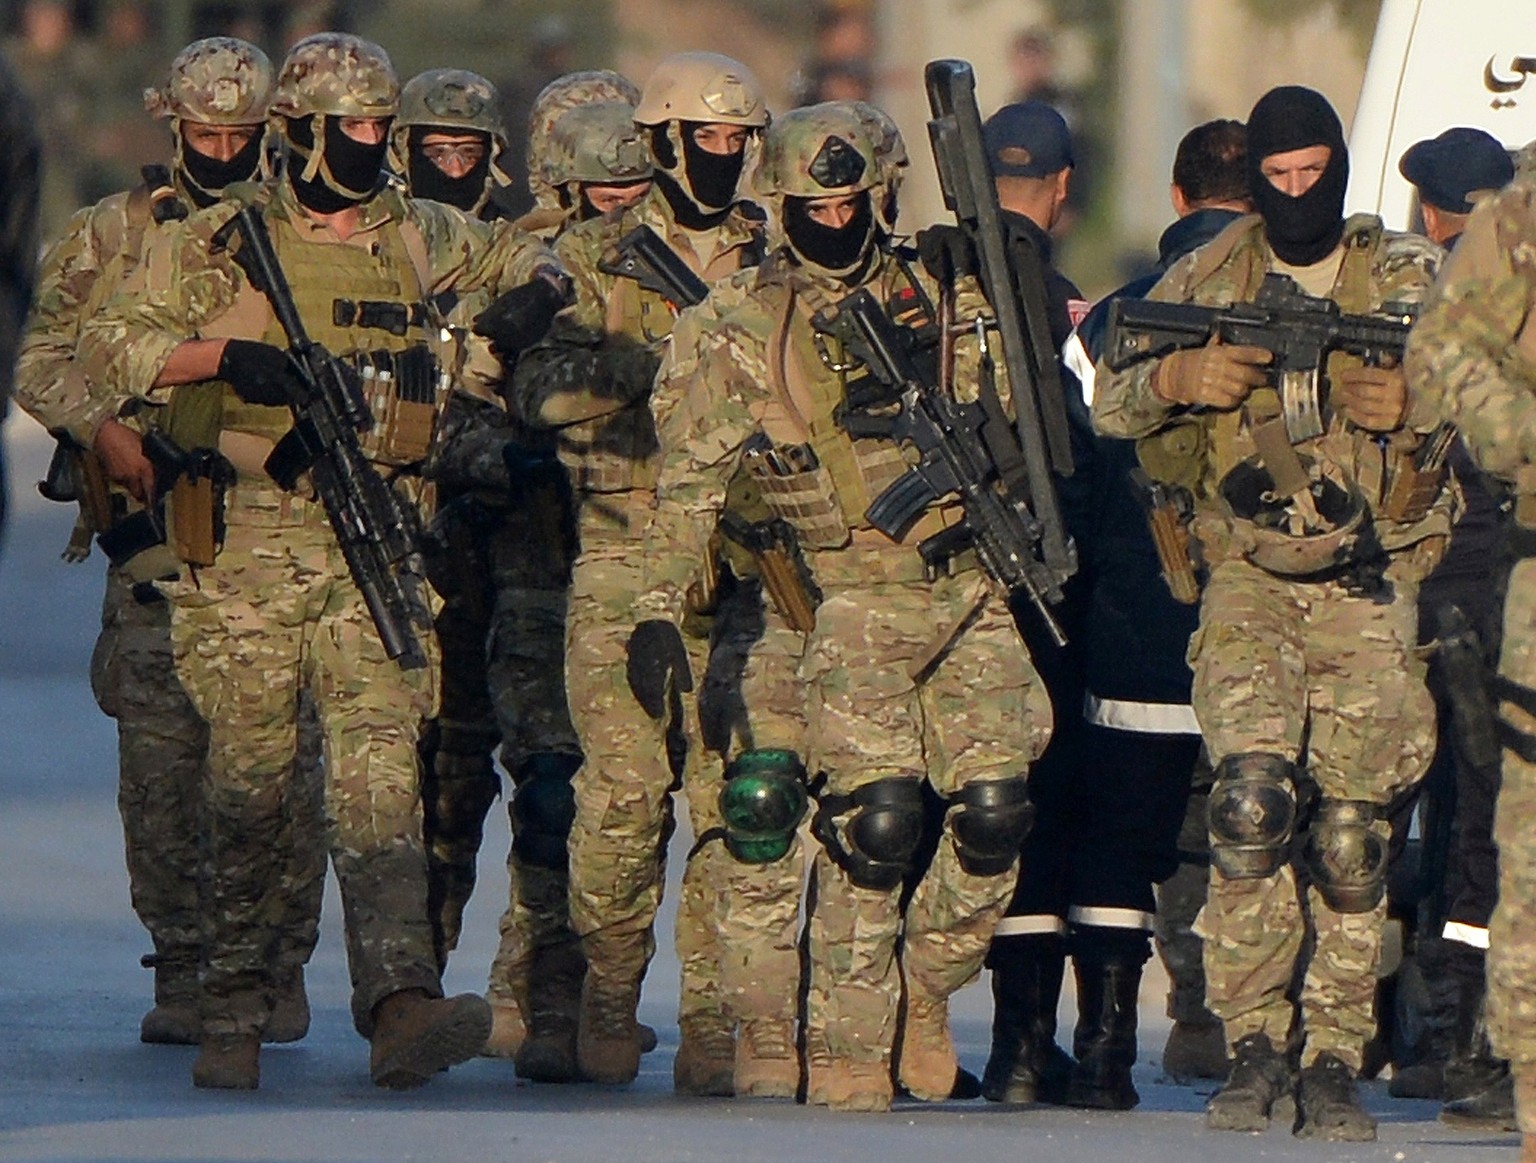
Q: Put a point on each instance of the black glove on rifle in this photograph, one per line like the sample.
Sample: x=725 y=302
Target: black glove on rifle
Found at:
x=260 y=373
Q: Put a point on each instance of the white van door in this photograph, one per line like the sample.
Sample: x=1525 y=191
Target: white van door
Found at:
x=1435 y=64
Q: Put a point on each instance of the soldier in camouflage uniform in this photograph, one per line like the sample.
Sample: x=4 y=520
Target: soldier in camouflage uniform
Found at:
x=215 y=98
x=590 y=382
x=553 y=206
x=1470 y=360
x=901 y=679
x=277 y=612
x=1306 y=681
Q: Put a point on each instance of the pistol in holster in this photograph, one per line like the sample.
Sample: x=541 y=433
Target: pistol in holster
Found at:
x=198 y=479
x=1169 y=510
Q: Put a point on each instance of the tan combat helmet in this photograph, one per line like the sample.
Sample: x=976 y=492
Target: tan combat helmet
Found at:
x=333 y=75
x=216 y=81
x=573 y=90
x=891 y=150
x=699 y=87
x=597 y=145
x=450 y=101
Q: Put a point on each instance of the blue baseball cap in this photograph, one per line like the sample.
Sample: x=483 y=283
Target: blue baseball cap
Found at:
x=1447 y=168
x=1028 y=140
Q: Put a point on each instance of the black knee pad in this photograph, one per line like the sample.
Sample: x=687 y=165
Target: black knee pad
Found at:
x=1252 y=814
x=991 y=819
x=878 y=842
x=762 y=803
x=1346 y=860
x=543 y=808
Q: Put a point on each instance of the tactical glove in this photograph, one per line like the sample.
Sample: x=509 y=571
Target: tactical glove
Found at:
x=946 y=252
x=657 y=665
x=521 y=317
x=260 y=373
x=1375 y=398
x=1217 y=375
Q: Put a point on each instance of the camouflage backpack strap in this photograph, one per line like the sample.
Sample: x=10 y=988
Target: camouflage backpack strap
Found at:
x=1241 y=242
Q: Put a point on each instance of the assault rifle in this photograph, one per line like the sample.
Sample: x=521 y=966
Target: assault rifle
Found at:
x=956 y=444
x=1299 y=329
x=1013 y=281
x=641 y=255
x=373 y=526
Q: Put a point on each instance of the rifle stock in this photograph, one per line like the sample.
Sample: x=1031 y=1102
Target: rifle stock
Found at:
x=641 y=255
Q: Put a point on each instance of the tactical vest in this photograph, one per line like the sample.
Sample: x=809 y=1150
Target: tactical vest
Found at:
x=808 y=470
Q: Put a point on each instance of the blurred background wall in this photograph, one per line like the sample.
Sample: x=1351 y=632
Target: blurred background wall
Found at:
x=1131 y=75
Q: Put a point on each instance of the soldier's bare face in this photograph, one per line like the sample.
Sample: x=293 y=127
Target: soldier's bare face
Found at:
x=222 y=143
x=605 y=199
x=456 y=154
x=721 y=139
x=365 y=130
x=833 y=213
x=1296 y=171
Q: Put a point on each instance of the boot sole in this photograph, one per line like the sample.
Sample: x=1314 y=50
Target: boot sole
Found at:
x=548 y=1063
x=1243 y=1121
x=1342 y=1133
x=1479 y=1122
x=457 y=1038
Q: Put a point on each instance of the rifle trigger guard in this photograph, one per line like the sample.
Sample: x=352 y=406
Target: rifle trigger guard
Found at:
x=819 y=338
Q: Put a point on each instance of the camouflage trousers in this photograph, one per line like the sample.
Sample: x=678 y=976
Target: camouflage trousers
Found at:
x=525 y=668
x=979 y=713
x=1331 y=682
x=624 y=811
x=1512 y=931
x=740 y=922
x=276 y=616
x=162 y=743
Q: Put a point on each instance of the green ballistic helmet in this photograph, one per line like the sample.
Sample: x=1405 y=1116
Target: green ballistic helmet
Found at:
x=598 y=144
x=216 y=81
x=451 y=101
x=335 y=74
x=818 y=151
x=571 y=91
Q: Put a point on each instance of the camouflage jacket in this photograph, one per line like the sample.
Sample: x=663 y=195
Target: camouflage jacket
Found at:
x=1472 y=355
x=1377 y=267
x=607 y=438
x=757 y=392
x=101 y=246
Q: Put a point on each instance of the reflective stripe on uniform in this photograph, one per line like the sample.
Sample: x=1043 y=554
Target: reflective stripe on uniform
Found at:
x=1142 y=718
x=1465 y=934
x=1103 y=917
x=1030 y=926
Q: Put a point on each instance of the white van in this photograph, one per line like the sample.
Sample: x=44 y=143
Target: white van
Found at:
x=1435 y=64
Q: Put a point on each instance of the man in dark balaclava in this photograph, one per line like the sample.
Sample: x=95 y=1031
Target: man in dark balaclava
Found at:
x=1300 y=664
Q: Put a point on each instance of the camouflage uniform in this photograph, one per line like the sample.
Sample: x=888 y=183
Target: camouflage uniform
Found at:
x=162 y=741
x=623 y=789
x=865 y=714
x=1470 y=359
x=1303 y=670
x=279 y=612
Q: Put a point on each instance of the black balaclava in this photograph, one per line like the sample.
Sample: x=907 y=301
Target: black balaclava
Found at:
x=349 y=173
x=427 y=181
x=1304 y=230
x=708 y=187
x=205 y=178
x=840 y=251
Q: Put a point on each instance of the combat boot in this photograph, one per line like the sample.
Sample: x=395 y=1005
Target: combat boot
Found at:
x=228 y=1062
x=1490 y=1109
x=705 y=1066
x=1478 y=1089
x=1260 y=1076
x=415 y=1036
x=858 y=1086
x=548 y=1053
x=1328 y=1104
x=174 y=1020
x=818 y=1067
x=1104 y=1042
x=289 y=1019
x=507 y=1029
x=1196 y=1051
x=1026 y=1064
x=607 y=1035
x=767 y=1062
